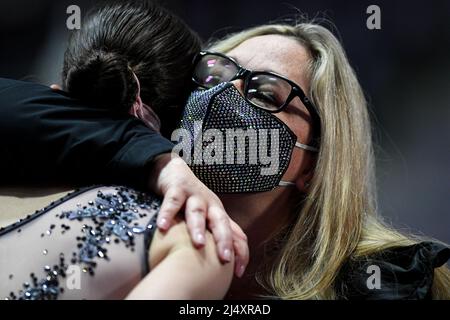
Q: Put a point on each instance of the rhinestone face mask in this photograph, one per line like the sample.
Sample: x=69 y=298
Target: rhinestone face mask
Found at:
x=233 y=146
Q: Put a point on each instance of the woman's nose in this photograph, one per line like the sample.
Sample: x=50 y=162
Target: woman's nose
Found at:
x=239 y=84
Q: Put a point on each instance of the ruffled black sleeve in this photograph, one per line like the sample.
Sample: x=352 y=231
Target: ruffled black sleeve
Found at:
x=403 y=273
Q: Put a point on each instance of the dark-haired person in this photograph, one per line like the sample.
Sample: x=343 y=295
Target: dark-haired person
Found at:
x=118 y=67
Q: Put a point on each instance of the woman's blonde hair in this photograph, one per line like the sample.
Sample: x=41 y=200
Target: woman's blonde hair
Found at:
x=338 y=218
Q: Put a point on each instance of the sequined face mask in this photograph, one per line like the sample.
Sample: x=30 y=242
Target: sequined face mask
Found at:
x=233 y=146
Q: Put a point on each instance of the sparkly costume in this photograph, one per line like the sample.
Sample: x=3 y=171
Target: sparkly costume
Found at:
x=94 y=244
x=91 y=244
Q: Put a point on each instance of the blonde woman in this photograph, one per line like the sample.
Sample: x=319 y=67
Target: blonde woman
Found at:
x=313 y=229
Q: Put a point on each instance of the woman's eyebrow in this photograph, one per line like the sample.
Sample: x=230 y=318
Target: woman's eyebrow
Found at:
x=265 y=69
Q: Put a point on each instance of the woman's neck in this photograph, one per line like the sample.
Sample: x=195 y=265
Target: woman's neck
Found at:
x=261 y=216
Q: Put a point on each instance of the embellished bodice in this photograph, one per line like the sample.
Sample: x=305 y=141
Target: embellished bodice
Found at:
x=91 y=244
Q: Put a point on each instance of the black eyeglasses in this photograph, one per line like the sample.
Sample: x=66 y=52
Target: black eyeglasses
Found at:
x=265 y=90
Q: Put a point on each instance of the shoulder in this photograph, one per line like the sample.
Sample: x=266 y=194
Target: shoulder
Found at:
x=165 y=242
x=21 y=100
x=177 y=238
x=26 y=94
x=21 y=88
x=10 y=83
x=181 y=271
x=395 y=273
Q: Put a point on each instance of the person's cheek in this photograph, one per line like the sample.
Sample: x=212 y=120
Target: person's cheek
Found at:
x=301 y=130
x=293 y=169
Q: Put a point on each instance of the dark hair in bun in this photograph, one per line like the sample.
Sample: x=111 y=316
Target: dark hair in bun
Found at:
x=104 y=78
x=118 y=39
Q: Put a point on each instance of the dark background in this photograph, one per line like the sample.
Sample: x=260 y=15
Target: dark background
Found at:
x=404 y=69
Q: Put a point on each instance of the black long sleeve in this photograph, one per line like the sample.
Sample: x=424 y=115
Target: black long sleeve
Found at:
x=47 y=136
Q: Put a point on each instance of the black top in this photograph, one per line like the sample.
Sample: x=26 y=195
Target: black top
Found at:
x=46 y=135
x=405 y=273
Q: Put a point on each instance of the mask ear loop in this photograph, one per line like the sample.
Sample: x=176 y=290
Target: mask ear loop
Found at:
x=142 y=111
x=306 y=147
x=285 y=183
x=301 y=146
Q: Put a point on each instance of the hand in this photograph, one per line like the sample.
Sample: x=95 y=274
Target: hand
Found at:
x=56 y=87
x=172 y=178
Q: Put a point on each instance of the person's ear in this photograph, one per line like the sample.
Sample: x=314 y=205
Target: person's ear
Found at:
x=56 y=87
x=306 y=173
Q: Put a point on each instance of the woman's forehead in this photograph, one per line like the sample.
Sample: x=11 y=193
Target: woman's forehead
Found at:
x=275 y=53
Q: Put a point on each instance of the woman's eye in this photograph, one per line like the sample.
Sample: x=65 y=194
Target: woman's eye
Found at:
x=264 y=97
x=212 y=79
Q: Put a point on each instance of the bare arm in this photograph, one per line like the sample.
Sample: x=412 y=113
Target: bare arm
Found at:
x=180 y=271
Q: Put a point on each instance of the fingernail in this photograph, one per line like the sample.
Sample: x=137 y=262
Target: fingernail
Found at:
x=227 y=255
x=163 y=223
x=200 y=238
x=241 y=270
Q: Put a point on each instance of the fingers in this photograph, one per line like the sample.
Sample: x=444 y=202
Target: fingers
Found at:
x=240 y=244
x=172 y=203
x=237 y=231
x=178 y=184
x=219 y=224
x=195 y=213
x=242 y=257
